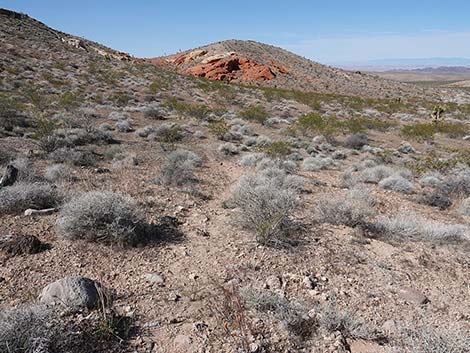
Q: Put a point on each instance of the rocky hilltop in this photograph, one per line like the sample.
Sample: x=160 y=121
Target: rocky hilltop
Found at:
x=250 y=62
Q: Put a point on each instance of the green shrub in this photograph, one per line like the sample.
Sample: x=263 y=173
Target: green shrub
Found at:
x=255 y=113
x=278 y=149
x=316 y=123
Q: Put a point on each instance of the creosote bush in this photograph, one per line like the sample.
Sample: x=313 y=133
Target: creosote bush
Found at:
x=255 y=112
x=102 y=216
x=265 y=202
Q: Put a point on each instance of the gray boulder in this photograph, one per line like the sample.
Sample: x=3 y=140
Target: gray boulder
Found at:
x=73 y=292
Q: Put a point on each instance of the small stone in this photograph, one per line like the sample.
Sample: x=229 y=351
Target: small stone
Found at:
x=174 y=297
x=183 y=342
x=74 y=292
x=391 y=327
x=199 y=326
x=273 y=282
x=32 y=212
x=254 y=347
x=308 y=282
x=412 y=296
x=155 y=278
x=406 y=148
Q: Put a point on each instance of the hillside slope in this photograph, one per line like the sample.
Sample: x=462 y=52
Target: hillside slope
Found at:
x=218 y=217
x=250 y=62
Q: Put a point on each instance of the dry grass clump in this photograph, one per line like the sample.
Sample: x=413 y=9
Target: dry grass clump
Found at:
x=356 y=141
x=333 y=319
x=26 y=330
x=21 y=196
x=179 y=168
x=436 y=199
x=352 y=208
x=58 y=172
x=464 y=208
x=124 y=126
x=293 y=315
x=428 y=339
x=317 y=163
x=102 y=216
x=413 y=227
x=228 y=149
x=27 y=172
x=376 y=174
x=397 y=183
x=265 y=202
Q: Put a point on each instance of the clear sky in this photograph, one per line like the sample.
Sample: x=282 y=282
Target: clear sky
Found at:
x=328 y=31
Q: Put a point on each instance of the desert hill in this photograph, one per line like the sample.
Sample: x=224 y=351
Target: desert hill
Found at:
x=250 y=62
x=142 y=210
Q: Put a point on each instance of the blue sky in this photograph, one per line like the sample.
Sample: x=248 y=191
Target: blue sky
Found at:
x=326 y=31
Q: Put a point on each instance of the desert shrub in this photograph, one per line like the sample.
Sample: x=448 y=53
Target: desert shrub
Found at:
x=317 y=163
x=145 y=131
x=432 y=179
x=58 y=172
x=413 y=227
x=251 y=159
x=27 y=172
x=352 y=208
x=397 y=183
x=168 y=133
x=436 y=199
x=105 y=127
x=426 y=131
x=228 y=149
x=179 y=168
x=293 y=316
x=75 y=157
x=255 y=113
x=21 y=196
x=26 y=330
x=123 y=126
x=70 y=101
x=119 y=115
x=278 y=149
x=420 y=132
x=457 y=184
x=316 y=123
x=376 y=174
x=219 y=128
x=265 y=202
x=356 y=141
x=348 y=323
x=464 y=207
x=426 y=339
x=154 y=112
x=120 y=99
x=102 y=216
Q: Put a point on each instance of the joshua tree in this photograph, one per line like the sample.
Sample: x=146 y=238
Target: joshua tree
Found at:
x=437 y=113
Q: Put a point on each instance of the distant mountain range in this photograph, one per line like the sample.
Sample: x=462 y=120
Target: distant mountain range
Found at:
x=404 y=64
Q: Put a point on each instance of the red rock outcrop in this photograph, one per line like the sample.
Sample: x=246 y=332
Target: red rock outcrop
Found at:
x=232 y=68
